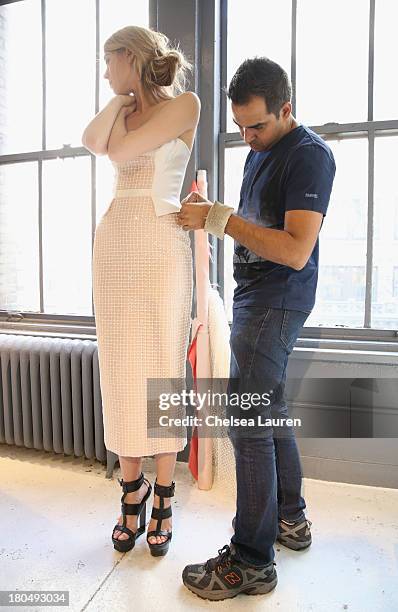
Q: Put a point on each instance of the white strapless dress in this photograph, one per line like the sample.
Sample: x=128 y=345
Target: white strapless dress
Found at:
x=142 y=291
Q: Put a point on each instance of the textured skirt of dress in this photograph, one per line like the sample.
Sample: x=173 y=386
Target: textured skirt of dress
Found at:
x=142 y=290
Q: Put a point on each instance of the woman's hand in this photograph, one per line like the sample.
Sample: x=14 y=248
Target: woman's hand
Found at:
x=126 y=99
x=127 y=103
x=97 y=134
x=129 y=106
x=119 y=128
x=128 y=110
x=193 y=213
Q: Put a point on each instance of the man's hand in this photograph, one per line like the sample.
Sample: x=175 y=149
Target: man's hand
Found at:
x=193 y=213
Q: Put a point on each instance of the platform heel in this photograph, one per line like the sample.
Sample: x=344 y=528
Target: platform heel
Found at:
x=159 y=550
x=137 y=509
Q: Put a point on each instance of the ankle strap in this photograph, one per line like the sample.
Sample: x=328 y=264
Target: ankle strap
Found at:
x=132 y=485
x=163 y=491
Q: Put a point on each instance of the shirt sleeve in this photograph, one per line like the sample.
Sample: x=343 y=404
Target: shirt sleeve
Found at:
x=309 y=179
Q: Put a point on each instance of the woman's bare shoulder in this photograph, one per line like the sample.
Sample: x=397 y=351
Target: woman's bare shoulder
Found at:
x=191 y=101
x=188 y=99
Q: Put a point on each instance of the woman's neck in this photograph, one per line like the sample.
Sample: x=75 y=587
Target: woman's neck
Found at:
x=145 y=101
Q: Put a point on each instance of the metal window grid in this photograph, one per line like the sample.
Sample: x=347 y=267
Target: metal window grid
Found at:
x=329 y=131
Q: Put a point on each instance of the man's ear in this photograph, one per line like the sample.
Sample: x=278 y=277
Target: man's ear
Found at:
x=286 y=110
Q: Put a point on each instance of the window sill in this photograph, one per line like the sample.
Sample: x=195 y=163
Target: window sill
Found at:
x=343 y=355
x=86 y=332
x=381 y=350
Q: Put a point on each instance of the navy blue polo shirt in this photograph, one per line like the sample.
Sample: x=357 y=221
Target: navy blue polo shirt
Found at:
x=295 y=174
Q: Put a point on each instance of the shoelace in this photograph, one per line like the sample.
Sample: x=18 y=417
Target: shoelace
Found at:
x=308 y=524
x=221 y=560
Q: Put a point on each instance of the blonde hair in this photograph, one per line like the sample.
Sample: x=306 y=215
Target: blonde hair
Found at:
x=159 y=66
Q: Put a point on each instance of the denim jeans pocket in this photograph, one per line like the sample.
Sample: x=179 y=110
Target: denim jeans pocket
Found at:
x=292 y=322
x=258 y=325
x=247 y=325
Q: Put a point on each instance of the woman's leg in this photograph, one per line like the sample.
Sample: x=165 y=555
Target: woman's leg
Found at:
x=131 y=469
x=165 y=465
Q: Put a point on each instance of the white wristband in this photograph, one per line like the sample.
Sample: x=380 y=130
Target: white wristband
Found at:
x=217 y=219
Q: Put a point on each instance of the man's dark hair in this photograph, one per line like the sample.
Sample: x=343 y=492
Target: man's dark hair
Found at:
x=262 y=77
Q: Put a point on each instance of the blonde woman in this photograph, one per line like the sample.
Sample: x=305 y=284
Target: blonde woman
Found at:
x=142 y=265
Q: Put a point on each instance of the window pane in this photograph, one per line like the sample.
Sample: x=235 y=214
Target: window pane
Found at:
x=234 y=162
x=21 y=77
x=67 y=236
x=385 y=244
x=386 y=48
x=114 y=15
x=19 y=242
x=395 y=282
x=344 y=283
x=252 y=32
x=340 y=296
x=70 y=63
x=332 y=79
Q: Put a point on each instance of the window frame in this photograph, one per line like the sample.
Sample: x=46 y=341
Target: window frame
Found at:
x=369 y=129
x=26 y=320
x=207 y=47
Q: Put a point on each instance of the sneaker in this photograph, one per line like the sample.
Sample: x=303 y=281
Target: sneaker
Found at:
x=296 y=536
x=224 y=577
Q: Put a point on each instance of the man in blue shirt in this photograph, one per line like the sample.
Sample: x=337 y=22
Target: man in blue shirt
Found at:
x=287 y=182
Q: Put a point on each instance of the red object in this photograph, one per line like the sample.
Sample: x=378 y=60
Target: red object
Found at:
x=193 y=454
x=193 y=447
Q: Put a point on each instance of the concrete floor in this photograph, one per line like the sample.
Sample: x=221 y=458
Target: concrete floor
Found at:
x=58 y=514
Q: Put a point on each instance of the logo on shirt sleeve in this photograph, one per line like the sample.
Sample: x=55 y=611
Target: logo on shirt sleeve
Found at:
x=311 y=195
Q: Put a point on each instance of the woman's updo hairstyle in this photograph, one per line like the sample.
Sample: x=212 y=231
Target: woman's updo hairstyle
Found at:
x=158 y=64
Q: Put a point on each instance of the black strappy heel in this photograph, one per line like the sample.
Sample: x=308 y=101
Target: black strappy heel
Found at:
x=139 y=509
x=158 y=550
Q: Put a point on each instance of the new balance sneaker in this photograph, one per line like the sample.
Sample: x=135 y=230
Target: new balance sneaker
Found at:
x=296 y=536
x=224 y=577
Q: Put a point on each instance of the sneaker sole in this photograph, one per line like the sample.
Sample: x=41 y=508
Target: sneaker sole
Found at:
x=259 y=589
x=294 y=545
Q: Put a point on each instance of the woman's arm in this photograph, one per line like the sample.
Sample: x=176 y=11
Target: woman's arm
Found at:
x=96 y=135
x=118 y=131
x=172 y=120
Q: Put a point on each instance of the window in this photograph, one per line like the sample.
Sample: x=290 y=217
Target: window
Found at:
x=385 y=244
x=343 y=240
x=395 y=282
x=342 y=294
x=343 y=92
x=252 y=21
x=52 y=191
x=332 y=71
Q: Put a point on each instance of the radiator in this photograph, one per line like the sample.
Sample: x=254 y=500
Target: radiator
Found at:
x=50 y=396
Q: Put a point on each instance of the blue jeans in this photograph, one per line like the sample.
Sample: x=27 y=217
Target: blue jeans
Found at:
x=268 y=468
